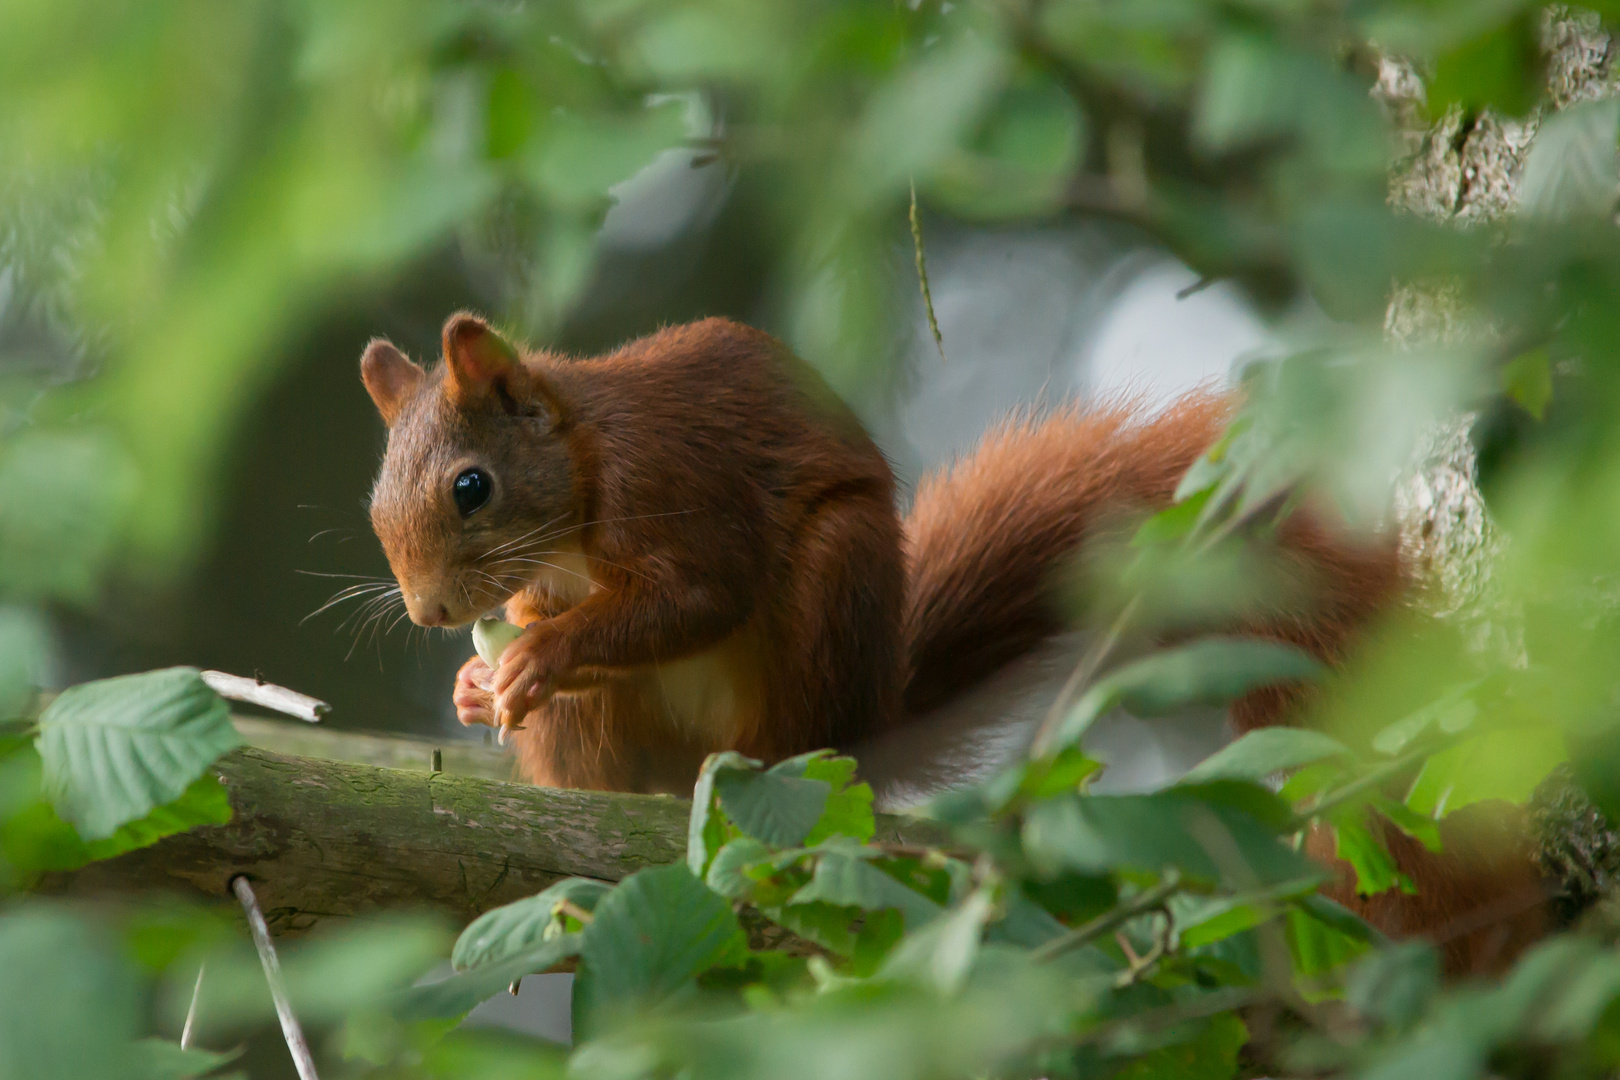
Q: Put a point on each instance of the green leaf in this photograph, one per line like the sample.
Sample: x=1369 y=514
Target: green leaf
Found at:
x=1210 y=671
x=22 y=653
x=729 y=871
x=1527 y=381
x=1375 y=868
x=915 y=118
x=159 y=1059
x=68 y=1004
x=1573 y=167
x=1395 y=984
x=203 y=803
x=523 y=925
x=1211 y=1054
x=1204 y=920
x=774 y=808
x=1506 y=763
x=1453 y=712
x=1499 y=69
x=33 y=838
x=705 y=830
x=1208 y=840
x=1018 y=158
x=1260 y=753
x=652 y=936
x=1425 y=830
x=1319 y=945
x=117 y=748
x=1178 y=520
x=457 y=995
x=849 y=807
x=846 y=881
x=825 y=924
x=1023 y=921
x=941 y=954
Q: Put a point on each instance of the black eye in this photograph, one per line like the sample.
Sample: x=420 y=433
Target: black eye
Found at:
x=471 y=490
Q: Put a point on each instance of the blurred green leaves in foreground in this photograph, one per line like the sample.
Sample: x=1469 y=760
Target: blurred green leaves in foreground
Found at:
x=185 y=186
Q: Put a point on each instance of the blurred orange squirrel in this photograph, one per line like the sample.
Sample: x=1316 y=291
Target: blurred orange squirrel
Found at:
x=704 y=547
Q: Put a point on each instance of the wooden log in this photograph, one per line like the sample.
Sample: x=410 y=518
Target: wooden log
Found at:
x=462 y=757
x=329 y=838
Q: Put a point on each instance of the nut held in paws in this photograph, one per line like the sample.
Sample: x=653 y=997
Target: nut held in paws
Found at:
x=492 y=636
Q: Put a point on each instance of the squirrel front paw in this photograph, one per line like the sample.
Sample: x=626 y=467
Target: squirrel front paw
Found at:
x=527 y=676
x=474 y=701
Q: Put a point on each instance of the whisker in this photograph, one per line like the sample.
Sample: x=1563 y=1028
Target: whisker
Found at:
x=357 y=577
x=351 y=592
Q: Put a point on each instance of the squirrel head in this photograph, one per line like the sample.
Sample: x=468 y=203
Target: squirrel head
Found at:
x=477 y=484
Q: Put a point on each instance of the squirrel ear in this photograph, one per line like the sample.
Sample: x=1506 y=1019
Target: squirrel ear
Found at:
x=390 y=378
x=476 y=355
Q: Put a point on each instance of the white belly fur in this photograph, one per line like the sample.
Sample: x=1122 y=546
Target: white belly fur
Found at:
x=699 y=695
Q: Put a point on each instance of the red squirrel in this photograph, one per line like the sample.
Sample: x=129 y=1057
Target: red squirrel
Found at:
x=704 y=547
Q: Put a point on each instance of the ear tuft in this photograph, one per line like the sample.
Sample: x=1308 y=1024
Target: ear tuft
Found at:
x=390 y=377
x=475 y=354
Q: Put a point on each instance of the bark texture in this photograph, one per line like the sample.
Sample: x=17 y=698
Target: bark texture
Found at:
x=331 y=838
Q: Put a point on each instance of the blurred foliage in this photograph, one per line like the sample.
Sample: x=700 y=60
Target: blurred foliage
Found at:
x=183 y=184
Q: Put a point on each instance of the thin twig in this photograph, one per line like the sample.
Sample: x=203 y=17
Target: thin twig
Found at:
x=574 y=911
x=297 y=1046
x=267 y=695
x=1139 y=964
x=922 y=273
x=1111 y=920
x=191 y=1012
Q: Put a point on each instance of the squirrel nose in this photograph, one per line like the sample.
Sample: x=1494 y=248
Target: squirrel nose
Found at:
x=428 y=613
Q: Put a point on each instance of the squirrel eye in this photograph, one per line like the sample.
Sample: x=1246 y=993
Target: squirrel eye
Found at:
x=471 y=489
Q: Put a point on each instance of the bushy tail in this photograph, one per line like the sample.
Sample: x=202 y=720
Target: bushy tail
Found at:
x=985 y=541
x=986 y=537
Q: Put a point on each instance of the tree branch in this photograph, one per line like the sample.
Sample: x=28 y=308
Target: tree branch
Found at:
x=329 y=838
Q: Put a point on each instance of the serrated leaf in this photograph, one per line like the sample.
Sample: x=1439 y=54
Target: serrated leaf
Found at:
x=115 y=749
x=652 y=936
x=523 y=925
x=1261 y=753
x=1375 y=868
x=1210 y=671
x=458 y=994
x=205 y=802
x=1206 y=840
x=941 y=954
x=728 y=871
x=773 y=808
x=1573 y=168
x=846 y=881
x=704 y=831
x=849 y=806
